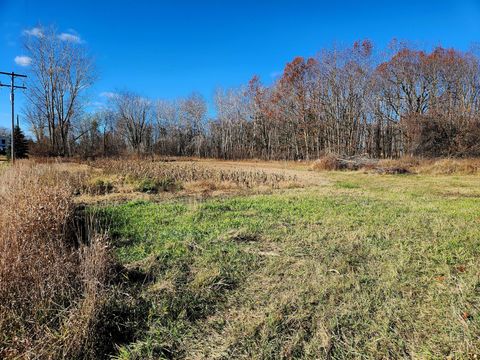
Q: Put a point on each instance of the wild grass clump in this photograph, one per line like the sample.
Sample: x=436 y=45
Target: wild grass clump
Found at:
x=403 y=165
x=153 y=186
x=407 y=162
x=444 y=166
x=52 y=286
x=450 y=166
x=183 y=172
x=97 y=186
x=328 y=163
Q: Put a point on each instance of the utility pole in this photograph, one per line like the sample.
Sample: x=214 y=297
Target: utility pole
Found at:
x=13 y=87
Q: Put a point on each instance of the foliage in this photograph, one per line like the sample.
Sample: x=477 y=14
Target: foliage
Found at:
x=154 y=186
x=97 y=186
x=21 y=145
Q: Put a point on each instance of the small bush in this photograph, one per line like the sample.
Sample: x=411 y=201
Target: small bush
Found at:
x=147 y=186
x=328 y=163
x=151 y=186
x=98 y=186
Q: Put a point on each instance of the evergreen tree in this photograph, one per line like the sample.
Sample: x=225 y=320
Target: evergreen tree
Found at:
x=21 y=144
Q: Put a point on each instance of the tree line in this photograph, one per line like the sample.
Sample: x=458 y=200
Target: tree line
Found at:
x=351 y=101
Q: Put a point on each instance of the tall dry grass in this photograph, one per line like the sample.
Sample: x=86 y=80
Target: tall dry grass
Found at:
x=190 y=171
x=52 y=286
x=410 y=164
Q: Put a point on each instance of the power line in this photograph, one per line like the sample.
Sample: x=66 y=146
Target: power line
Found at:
x=12 y=87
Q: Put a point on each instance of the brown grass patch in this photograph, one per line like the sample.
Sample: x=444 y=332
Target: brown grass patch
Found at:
x=183 y=172
x=51 y=284
x=328 y=163
x=446 y=166
x=449 y=166
x=404 y=165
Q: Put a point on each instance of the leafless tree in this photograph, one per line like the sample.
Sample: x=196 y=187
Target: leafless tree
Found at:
x=343 y=101
x=133 y=115
x=61 y=71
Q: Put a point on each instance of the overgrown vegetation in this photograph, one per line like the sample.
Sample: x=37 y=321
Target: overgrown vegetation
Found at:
x=360 y=265
x=404 y=165
x=52 y=278
x=161 y=175
x=208 y=259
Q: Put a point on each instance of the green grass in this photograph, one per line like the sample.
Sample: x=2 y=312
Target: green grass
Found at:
x=367 y=267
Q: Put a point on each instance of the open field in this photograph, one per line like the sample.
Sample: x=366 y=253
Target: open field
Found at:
x=239 y=180
x=367 y=266
x=271 y=260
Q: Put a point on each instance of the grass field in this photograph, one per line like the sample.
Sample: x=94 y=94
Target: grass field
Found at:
x=354 y=266
x=204 y=259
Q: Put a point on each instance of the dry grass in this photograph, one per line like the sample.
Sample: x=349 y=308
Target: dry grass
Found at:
x=327 y=163
x=331 y=162
x=450 y=166
x=446 y=166
x=357 y=266
x=406 y=164
x=51 y=285
x=167 y=173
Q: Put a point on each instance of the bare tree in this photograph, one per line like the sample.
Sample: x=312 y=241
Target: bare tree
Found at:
x=61 y=71
x=167 y=131
x=192 y=111
x=133 y=115
x=343 y=101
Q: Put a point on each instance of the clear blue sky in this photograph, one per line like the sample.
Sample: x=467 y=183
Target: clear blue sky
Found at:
x=166 y=49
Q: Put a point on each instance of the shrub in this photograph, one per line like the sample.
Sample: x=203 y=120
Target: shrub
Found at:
x=98 y=186
x=328 y=163
x=152 y=186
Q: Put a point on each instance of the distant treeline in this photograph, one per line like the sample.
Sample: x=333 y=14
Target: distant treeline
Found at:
x=349 y=102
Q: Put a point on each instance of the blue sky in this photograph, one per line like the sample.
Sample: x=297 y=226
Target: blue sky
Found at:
x=167 y=49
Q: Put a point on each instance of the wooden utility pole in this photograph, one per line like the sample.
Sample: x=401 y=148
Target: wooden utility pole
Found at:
x=13 y=87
